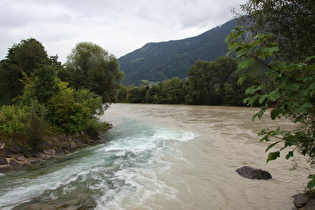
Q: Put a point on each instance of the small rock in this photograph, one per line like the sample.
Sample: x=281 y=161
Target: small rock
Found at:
x=44 y=145
x=35 y=155
x=73 y=146
x=34 y=161
x=60 y=152
x=3 y=161
x=7 y=153
x=13 y=163
x=63 y=145
x=20 y=158
x=4 y=168
x=253 y=173
x=50 y=152
x=80 y=142
x=18 y=149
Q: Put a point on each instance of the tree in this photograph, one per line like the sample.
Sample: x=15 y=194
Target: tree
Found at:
x=136 y=94
x=199 y=86
x=22 y=57
x=45 y=82
x=222 y=70
x=207 y=79
x=290 y=21
x=91 y=67
x=289 y=92
x=153 y=95
x=234 y=93
x=68 y=109
x=172 y=91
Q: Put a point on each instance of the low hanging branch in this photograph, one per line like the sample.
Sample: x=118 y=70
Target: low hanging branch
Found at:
x=289 y=92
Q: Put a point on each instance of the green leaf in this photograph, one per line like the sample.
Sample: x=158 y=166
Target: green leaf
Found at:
x=273 y=156
x=262 y=98
x=310 y=58
x=241 y=80
x=246 y=63
x=228 y=53
x=250 y=100
x=293 y=86
x=289 y=155
x=311 y=184
x=304 y=108
x=259 y=114
x=264 y=52
x=274 y=95
x=265 y=138
x=274 y=114
x=253 y=89
x=270 y=146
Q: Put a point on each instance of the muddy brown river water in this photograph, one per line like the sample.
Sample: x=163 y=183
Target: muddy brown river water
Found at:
x=164 y=157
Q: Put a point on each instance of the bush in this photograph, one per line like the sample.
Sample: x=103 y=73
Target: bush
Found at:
x=65 y=112
x=38 y=127
x=23 y=125
x=94 y=128
x=91 y=100
x=14 y=120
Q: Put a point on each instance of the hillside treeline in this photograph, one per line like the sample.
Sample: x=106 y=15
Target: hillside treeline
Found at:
x=208 y=83
x=165 y=60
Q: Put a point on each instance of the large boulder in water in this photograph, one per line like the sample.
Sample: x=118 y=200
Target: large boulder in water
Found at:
x=253 y=173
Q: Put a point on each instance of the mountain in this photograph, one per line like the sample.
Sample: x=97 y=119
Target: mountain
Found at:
x=165 y=60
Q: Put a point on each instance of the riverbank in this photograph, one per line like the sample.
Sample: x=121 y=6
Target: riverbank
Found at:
x=15 y=156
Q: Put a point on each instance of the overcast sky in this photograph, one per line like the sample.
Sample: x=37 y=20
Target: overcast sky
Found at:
x=118 y=26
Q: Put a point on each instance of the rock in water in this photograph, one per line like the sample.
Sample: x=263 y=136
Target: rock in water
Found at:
x=3 y=161
x=301 y=200
x=253 y=173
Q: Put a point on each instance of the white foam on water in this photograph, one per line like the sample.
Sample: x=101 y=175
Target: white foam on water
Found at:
x=177 y=135
x=142 y=183
x=29 y=188
x=124 y=171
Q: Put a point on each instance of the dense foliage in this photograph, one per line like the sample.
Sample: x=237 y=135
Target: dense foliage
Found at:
x=38 y=101
x=166 y=60
x=209 y=83
x=91 y=67
x=286 y=68
x=290 y=21
x=22 y=57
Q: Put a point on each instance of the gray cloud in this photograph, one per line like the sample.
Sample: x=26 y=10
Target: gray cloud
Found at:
x=119 y=26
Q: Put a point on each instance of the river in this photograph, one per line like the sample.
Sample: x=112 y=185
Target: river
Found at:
x=163 y=157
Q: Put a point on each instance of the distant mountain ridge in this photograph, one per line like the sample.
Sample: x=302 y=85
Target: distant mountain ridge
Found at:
x=165 y=60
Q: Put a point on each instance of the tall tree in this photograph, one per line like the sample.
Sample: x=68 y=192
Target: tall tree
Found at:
x=207 y=79
x=91 y=67
x=172 y=91
x=199 y=86
x=153 y=95
x=222 y=70
x=290 y=21
x=22 y=57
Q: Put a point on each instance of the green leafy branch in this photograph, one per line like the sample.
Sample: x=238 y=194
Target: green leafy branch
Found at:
x=287 y=89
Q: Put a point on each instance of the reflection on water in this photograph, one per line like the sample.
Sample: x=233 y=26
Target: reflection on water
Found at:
x=163 y=157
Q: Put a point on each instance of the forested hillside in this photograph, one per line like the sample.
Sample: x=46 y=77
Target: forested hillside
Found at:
x=165 y=60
